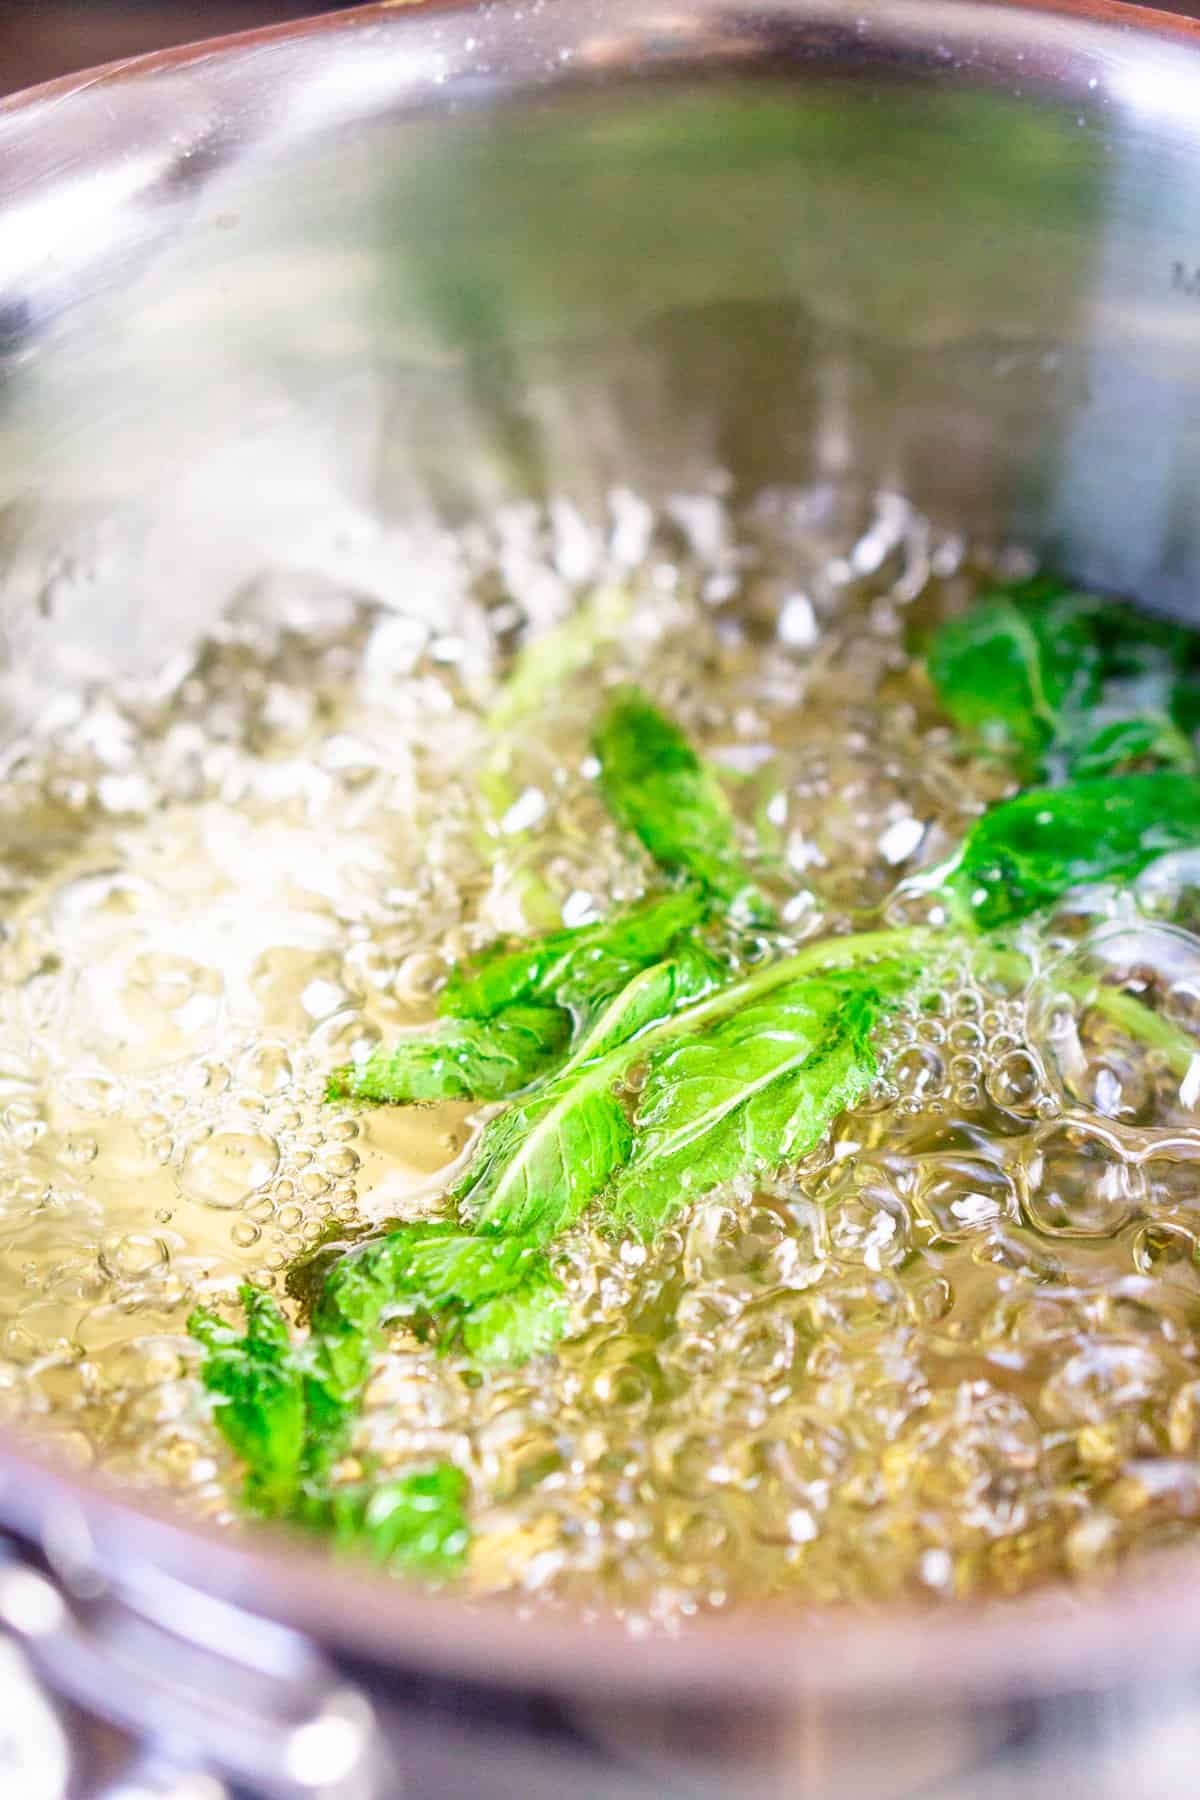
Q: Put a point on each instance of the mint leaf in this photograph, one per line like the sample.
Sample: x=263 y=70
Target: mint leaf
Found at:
x=1025 y=853
x=1067 y=683
x=507 y=1015
x=416 y=1525
x=1019 y=668
x=281 y=1412
x=756 y=1089
x=577 y=968
x=436 y=1272
x=543 y=1159
x=539 y=1163
x=1116 y=746
x=547 y=661
x=258 y=1388
x=460 y=1059
x=435 y=1264
x=656 y=786
x=538 y=673
x=656 y=994
x=517 y=1326
x=272 y=1403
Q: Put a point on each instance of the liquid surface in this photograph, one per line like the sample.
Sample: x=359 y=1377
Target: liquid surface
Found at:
x=956 y=1349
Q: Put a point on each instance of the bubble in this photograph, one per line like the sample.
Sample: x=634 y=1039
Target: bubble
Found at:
x=1091 y=1545
x=854 y=1306
x=1102 y=1380
x=1076 y=1183
x=871 y=1226
x=92 y=908
x=693 y=1462
x=695 y=1534
x=974 y=1449
x=296 y=988
x=1162 y=1489
x=1165 y=1250
x=133 y=1256
x=1183 y=1420
x=341 y=1162
x=267 y=1069
x=728 y=1239
x=704 y=1310
x=918 y=1072
x=624 y=1389
x=145 y=1362
x=176 y=985
x=1019 y=1253
x=1169 y=889
x=227 y=1168
x=761 y=1345
x=518 y=1451
x=1015 y=1083
x=419 y=976
x=960 y=1196
x=347 y=1037
x=931 y=1301
x=92 y=1091
x=1117 y=1023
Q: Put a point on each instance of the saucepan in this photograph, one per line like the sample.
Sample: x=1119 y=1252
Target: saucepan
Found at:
x=408 y=263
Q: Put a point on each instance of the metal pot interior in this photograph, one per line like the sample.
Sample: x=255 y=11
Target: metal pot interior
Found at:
x=263 y=303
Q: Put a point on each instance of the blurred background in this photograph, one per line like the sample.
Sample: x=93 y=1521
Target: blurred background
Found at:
x=40 y=39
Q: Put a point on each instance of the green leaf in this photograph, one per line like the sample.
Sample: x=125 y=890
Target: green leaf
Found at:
x=1069 y=684
x=546 y=662
x=740 y=1076
x=517 y=1326
x=460 y=1059
x=257 y=1387
x=654 y=995
x=414 y=1525
x=577 y=968
x=757 y=1089
x=1024 y=854
x=269 y=1405
x=496 y=1039
x=430 y=1272
x=436 y=1264
x=278 y=1411
x=541 y=1161
x=540 y=670
x=657 y=787
x=1151 y=738
x=1019 y=668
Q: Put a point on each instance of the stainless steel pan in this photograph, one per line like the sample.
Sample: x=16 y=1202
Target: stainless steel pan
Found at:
x=409 y=262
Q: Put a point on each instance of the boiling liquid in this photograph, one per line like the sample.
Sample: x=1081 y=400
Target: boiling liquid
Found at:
x=956 y=1349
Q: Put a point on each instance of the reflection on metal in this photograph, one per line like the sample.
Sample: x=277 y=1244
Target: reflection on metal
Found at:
x=35 y=1761
x=212 y=1691
x=152 y=1777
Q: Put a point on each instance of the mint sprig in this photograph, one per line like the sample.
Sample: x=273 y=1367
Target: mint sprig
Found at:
x=740 y=1069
